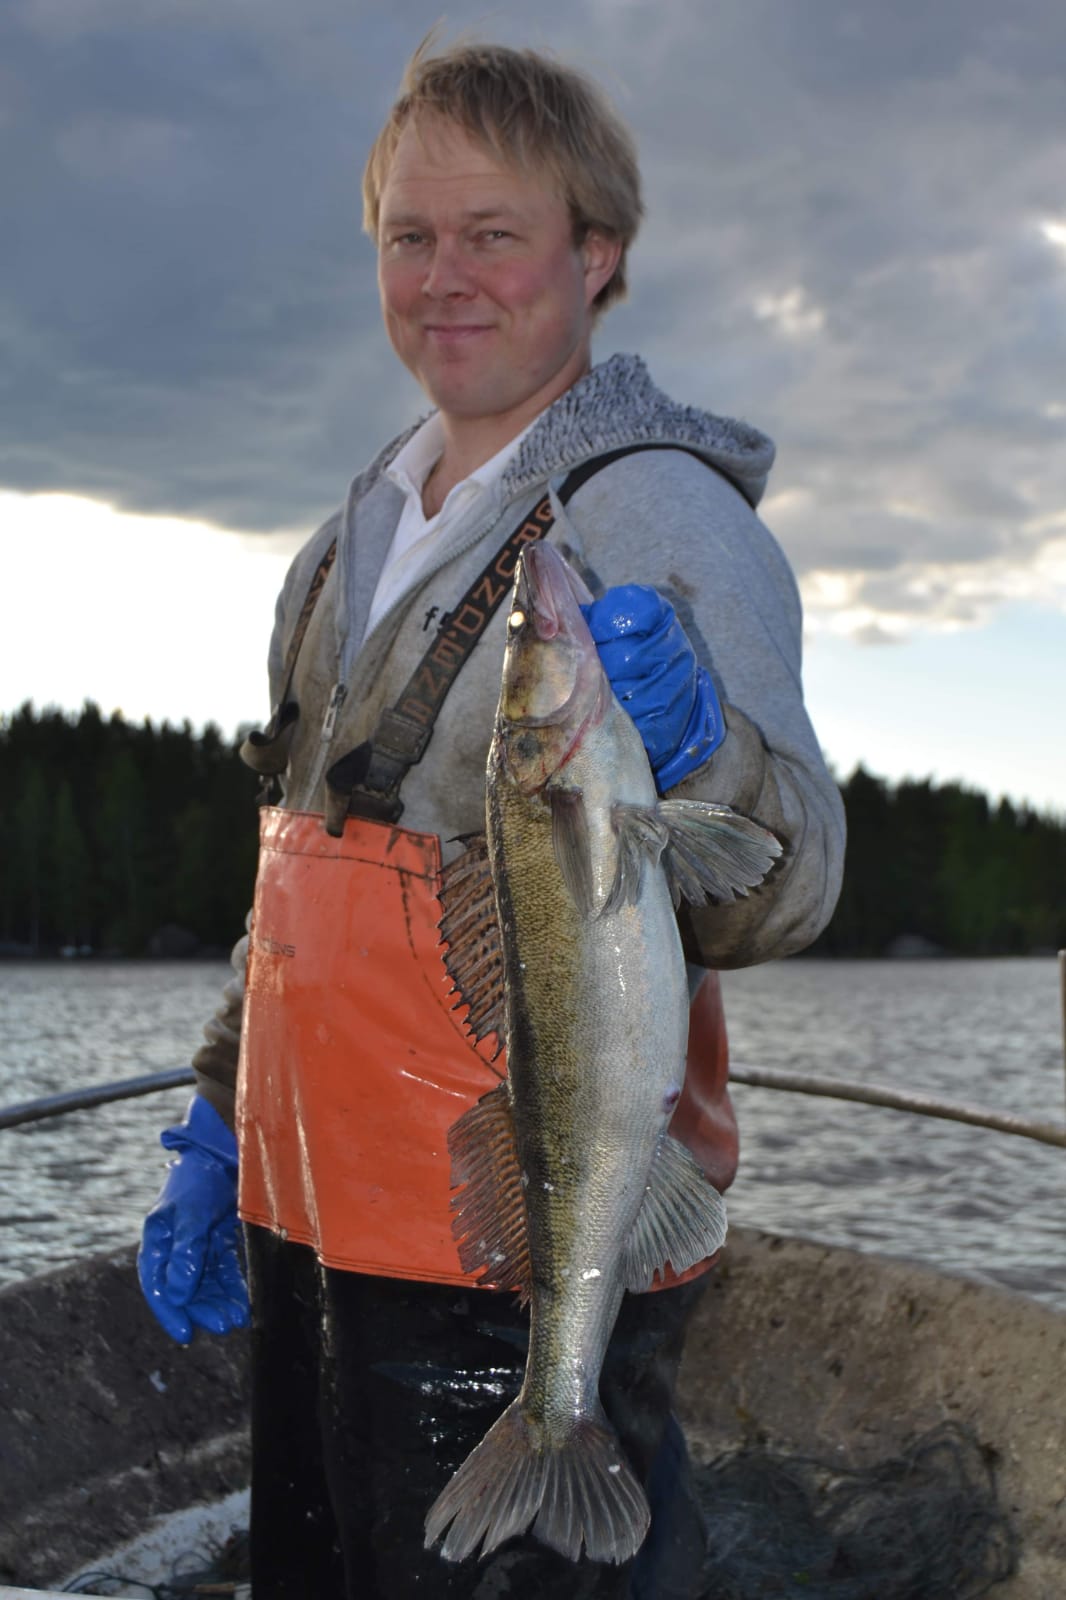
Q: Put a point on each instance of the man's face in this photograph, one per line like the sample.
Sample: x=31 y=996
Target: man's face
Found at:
x=486 y=298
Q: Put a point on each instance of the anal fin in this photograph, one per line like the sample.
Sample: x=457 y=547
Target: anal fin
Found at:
x=682 y=1219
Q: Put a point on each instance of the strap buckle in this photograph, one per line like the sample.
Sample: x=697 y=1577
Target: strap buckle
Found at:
x=364 y=783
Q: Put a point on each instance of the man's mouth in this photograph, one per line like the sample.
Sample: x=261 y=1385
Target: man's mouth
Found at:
x=449 y=331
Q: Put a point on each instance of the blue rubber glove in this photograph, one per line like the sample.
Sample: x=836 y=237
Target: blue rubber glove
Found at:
x=653 y=671
x=189 y=1263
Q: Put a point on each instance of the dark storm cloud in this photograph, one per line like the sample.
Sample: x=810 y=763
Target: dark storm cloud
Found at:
x=875 y=185
x=843 y=244
x=189 y=319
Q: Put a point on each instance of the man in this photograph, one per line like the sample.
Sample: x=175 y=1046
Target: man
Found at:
x=502 y=195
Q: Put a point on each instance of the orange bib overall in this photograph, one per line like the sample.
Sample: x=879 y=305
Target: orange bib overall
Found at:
x=354 y=1063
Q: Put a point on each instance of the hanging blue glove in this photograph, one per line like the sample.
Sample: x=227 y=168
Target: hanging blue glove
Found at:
x=653 y=671
x=189 y=1262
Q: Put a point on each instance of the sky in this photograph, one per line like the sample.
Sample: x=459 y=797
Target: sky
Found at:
x=855 y=239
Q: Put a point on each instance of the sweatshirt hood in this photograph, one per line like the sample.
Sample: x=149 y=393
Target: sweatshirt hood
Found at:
x=614 y=405
x=617 y=404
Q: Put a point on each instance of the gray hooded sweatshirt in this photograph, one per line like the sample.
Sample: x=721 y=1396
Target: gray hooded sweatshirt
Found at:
x=683 y=525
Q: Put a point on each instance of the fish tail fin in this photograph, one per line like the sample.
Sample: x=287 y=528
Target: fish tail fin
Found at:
x=579 y=1491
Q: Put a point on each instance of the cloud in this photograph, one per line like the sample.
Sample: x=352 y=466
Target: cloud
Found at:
x=889 y=606
x=855 y=239
x=188 y=311
x=200 y=654
x=791 y=312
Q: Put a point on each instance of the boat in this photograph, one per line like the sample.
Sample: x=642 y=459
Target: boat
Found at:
x=110 y=1430
x=816 y=1349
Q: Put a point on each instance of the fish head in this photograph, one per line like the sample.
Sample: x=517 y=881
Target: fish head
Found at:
x=553 y=687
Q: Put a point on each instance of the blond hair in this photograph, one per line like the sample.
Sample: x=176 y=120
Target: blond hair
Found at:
x=532 y=113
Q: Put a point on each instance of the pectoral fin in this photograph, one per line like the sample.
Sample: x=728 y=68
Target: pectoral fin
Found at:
x=642 y=838
x=712 y=852
x=489 y=1225
x=682 y=1220
x=570 y=843
x=707 y=851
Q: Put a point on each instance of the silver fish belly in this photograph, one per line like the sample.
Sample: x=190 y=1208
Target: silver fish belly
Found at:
x=572 y=1190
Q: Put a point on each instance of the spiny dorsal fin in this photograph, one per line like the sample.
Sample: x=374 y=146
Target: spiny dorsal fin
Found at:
x=681 y=1221
x=713 y=853
x=489 y=1225
x=471 y=928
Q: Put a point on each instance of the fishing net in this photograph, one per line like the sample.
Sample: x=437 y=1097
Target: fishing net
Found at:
x=924 y=1525
x=221 y=1571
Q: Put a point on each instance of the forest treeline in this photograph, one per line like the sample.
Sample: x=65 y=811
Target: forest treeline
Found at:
x=944 y=865
x=112 y=831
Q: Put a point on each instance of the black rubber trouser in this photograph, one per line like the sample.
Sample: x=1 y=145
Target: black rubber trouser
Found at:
x=369 y=1392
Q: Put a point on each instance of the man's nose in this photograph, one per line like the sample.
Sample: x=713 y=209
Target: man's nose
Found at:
x=447 y=273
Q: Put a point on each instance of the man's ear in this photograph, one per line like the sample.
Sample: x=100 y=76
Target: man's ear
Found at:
x=600 y=256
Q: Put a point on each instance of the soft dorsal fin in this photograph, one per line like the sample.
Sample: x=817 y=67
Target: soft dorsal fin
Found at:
x=682 y=1219
x=489 y=1225
x=471 y=928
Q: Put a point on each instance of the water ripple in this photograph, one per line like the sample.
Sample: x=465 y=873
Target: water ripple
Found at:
x=960 y=1198
x=963 y=1199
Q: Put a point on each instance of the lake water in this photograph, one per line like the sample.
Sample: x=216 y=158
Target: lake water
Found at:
x=984 y=1204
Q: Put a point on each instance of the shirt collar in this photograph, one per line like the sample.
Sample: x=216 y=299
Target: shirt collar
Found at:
x=412 y=465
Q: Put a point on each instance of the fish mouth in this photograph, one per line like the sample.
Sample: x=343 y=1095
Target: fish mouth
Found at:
x=551 y=592
x=548 y=634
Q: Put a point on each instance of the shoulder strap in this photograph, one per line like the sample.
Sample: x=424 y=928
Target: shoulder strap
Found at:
x=588 y=469
x=266 y=751
x=366 y=782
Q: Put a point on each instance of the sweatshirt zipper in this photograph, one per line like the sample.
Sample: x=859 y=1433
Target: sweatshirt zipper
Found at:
x=350 y=651
x=329 y=721
x=337 y=697
x=452 y=554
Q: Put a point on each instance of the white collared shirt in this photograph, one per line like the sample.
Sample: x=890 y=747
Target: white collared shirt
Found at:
x=418 y=536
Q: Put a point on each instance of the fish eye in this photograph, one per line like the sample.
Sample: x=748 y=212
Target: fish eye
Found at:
x=516 y=620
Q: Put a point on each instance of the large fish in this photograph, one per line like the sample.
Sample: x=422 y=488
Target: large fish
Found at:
x=572 y=1188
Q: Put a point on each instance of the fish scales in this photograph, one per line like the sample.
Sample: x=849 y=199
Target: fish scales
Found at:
x=589 y=1023
x=595 y=1020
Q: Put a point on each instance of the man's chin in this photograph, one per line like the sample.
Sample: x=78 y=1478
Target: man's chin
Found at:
x=471 y=402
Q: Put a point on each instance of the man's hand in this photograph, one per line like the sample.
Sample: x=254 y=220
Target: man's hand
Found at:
x=654 y=672
x=189 y=1262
